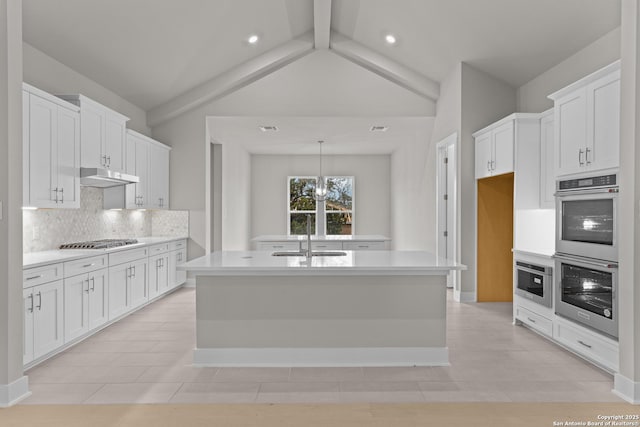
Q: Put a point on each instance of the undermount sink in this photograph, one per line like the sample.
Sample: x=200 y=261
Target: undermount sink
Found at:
x=319 y=253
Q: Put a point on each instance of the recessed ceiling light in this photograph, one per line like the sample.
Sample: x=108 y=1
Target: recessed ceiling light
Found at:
x=269 y=128
x=390 y=39
x=253 y=39
x=379 y=128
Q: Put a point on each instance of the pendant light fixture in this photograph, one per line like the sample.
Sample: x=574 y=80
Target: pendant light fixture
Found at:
x=321 y=184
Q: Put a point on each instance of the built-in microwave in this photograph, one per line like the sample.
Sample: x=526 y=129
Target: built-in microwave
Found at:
x=587 y=212
x=534 y=282
x=586 y=292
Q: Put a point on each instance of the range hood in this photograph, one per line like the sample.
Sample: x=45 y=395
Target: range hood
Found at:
x=105 y=178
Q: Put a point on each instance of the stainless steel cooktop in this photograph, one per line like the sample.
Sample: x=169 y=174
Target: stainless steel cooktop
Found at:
x=99 y=244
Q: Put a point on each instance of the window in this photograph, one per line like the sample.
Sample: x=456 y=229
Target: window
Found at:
x=334 y=216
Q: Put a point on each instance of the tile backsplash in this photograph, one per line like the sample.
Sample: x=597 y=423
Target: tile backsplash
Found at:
x=46 y=229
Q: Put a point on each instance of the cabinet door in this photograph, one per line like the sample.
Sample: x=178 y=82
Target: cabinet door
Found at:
x=139 y=292
x=68 y=158
x=172 y=269
x=483 y=155
x=547 y=172
x=503 y=137
x=603 y=117
x=76 y=307
x=158 y=177
x=115 y=139
x=142 y=171
x=181 y=275
x=570 y=132
x=27 y=330
x=25 y=149
x=92 y=128
x=48 y=318
x=98 y=298
x=42 y=146
x=154 y=276
x=163 y=273
x=119 y=294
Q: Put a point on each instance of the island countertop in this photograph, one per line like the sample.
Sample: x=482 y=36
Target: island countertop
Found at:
x=254 y=263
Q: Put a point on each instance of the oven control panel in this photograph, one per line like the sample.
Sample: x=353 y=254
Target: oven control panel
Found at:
x=587 y=183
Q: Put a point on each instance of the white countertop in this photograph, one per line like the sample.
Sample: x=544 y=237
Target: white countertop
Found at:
x=303 y=237
x=253 y=263
x=36 y=259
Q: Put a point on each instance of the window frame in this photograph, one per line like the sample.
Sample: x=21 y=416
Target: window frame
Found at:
x=321 y=210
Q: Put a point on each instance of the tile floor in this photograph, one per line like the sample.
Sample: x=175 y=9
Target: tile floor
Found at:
x=145 y=358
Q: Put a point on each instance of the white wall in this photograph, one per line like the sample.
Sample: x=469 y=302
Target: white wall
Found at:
x=413 y=192
x=320 y=83
x=50 y=75
x=269 y=189
x=236 y=198
x=532 y=97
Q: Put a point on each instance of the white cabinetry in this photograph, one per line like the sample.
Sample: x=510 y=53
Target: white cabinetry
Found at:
x=51 y=151
x=494 y=149
x=137 y=160
x=43 y=312
x=127 y=281
x=595 y=347
x=158 y=274
x=85 y=303
x=547 y=164
x=102 y=134
x=587 y=123
x=158 y=176
x=177 y=256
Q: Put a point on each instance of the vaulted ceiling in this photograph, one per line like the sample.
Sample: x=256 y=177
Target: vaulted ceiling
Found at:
x=158 y=53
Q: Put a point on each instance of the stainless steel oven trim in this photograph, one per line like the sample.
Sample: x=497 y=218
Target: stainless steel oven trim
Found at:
x=590 y=250
x=588 y=319
x=547 y=288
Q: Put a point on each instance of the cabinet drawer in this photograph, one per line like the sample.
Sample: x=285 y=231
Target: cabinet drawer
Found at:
x=324 y=246
x=178 y=244
x=535 y=321
x=278 y=246
x=39 y=275
x=364 y=246
x=121 y=257
x=158 y=249
x=85 y=265
x=587 y=343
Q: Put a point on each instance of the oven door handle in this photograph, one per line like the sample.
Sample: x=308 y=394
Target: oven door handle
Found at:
x=580 y=260
x=537 y=272
x=603 y=191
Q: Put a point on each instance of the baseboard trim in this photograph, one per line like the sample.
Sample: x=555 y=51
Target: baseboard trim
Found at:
x=10 y=394
x=626 y=389
x=321 y=357
x=467 y=296
x=190 y=283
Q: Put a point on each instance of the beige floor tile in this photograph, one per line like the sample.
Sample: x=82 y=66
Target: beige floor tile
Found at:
x=416 y=373
x=55 y=394
x=113 y=347
x=84 y=375
x=298 y=397
x=174 y=374
x=326 y=374
x=382 y=396
x=384 y=386
x=135 y=393
x=146 y=359
x=300 y=387
x=252 y=375
x=216 y=393
x=464 y=396
x=82 y=359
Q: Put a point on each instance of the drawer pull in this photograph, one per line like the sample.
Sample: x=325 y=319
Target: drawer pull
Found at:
x=34 y=277
x=531 y=320
x=88 y=265
x=363 y=246
x=584 y=343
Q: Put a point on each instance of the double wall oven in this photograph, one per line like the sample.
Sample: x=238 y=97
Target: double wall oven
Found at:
x=587 y=251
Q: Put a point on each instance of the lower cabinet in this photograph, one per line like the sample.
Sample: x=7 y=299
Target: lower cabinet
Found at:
x=85 y=303
x=158 y=274
x=127 y=287
x=176 y=277
x=43 y=320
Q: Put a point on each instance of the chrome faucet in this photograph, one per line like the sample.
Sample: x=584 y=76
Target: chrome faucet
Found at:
x=309 y=254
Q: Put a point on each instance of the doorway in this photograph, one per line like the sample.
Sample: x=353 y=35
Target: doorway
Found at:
x=447 y=207
x=495 y=239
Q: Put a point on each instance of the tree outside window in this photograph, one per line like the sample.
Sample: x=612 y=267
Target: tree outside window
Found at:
x=334 y=216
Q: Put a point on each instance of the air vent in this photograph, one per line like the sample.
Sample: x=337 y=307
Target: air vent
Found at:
x=269 y=128
x=379 y=128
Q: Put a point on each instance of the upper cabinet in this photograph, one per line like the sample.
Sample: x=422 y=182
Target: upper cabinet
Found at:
x=587 y=123
x=103 y=134
x=547 y=164
x=494 y=149
x=158 y=176
x=137 y=163
x=51 y=151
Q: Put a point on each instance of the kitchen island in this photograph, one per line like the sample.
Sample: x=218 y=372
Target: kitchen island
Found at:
x=365 y=308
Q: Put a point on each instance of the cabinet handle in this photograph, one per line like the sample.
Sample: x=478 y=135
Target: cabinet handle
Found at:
x=488 y=165
x=62 y=192
x=104 y=160
x=134 y=271
x=580 y=157
x=584 y=344
x=56 y=191
x=531 y=320
x=39 y=306
x=493 y=165
x=586 y=155
x=93 y=284
x=129 y=272
x=30 y=309
x=88 y=265
x=108 y=161
x=87 y=290
x=34 y=277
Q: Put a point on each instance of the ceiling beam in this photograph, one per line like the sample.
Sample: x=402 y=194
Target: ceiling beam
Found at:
x=322 y=23
x=384 y=67
x=233 y=79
